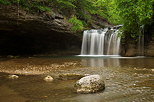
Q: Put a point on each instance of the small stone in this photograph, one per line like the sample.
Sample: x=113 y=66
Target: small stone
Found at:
x=86 y=74
x=48 y=79
x=90 y=84
x=152 y=70
x=13 y=77
x=45 y=96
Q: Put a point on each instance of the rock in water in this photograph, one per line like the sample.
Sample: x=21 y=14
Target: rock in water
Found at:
x=48 y=79
x=13 y=77
x=90 y=84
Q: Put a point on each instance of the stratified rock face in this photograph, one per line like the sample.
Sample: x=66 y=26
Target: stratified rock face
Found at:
x=150 y=48
x=26 y=32
x=12 y=17
x=90 y=84
x=131 y=50
x=22 y=32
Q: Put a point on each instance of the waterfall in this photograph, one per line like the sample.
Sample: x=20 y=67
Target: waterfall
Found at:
x=141 y=42
x=101 y=42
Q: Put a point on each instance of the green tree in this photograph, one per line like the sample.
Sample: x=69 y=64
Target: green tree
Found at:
x=131 y=13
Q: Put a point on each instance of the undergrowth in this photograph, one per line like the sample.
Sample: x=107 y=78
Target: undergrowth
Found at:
x=76 y=24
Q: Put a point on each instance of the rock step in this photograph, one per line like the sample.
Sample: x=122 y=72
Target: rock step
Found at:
x=151 y=42
x=153 y=38
x=150 y=52
x=151 y=46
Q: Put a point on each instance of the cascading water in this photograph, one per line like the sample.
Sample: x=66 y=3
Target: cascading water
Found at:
x=141 y=42
x=101 y=42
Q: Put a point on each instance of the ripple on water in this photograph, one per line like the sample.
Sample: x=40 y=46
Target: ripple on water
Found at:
x=127 y=80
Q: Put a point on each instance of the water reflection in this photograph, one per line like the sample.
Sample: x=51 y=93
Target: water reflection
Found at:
x=123 y=83
x=118 y=62
x=99 y=62
x=90 y=98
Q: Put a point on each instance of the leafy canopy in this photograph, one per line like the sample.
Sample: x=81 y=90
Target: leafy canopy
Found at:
x=131 y=13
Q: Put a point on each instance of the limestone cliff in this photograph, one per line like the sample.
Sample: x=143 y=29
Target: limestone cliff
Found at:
x=26 y=33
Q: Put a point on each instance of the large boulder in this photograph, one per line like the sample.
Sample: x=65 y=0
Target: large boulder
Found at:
x=90 y=84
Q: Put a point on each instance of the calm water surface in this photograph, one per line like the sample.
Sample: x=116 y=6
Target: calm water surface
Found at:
x=127 y=79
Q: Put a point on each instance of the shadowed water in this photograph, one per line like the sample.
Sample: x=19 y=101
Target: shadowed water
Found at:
x=127 y=79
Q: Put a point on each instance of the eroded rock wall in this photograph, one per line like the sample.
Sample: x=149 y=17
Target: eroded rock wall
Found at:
x=22 y=32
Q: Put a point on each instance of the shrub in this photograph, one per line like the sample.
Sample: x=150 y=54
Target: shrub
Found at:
x=5 y=2
x=76 y=24
x=43 y=8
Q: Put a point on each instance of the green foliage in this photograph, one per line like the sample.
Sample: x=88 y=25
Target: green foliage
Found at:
x=100 y=8
x=76 y=24
x=64 y=3
x=81 y=9
x=43 y=8
x=15 y=1
x=131 y=13
x=32 y=5
x=5 y=2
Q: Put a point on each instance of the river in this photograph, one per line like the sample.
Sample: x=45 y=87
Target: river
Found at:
x=127 y=79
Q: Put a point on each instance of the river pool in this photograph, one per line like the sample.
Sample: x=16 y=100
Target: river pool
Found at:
x=127 y=79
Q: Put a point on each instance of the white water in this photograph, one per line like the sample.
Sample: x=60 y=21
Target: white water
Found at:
x=100 y=42
x=141 y=42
